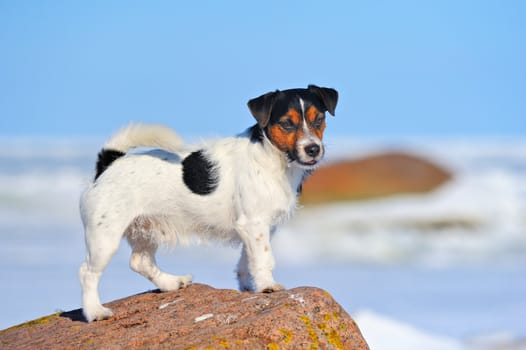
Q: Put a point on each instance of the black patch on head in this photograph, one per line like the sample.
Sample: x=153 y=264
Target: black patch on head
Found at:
x=200 y=174
x=269 y=107
x=290 y=99
x=328 y=96
x=105 y=158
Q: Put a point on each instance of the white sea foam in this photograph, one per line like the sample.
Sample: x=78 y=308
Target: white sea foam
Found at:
x=383 y=333
x=472 y=219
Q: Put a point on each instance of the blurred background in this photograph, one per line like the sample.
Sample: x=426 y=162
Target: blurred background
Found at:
x=416 y=224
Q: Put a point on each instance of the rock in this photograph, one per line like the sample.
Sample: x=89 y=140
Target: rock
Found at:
x=374 y=176
x=199 y=317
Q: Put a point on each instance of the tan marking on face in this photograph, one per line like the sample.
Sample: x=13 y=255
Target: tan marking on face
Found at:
x=285 y=140
x=294 y=115
x=311 y=115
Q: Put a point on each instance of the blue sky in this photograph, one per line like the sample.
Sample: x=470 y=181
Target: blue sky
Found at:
x=84 y=68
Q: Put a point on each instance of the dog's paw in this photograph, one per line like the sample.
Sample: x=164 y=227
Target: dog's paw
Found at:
x=186 y=280
x=272 y=288
x=97 y=314
x=244 y=288
x=245 y=283
x=172 y=282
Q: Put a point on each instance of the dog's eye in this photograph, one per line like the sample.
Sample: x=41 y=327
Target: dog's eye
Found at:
x=287 y=125
x=318 y=122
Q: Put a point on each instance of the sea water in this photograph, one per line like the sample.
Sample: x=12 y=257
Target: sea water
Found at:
x=452 y=286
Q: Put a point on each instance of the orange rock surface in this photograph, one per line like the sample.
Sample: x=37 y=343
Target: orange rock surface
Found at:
x=199 y=317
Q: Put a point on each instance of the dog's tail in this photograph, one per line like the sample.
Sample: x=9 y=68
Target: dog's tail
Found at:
x=133 y=136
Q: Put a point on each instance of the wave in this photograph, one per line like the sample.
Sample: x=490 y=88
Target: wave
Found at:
x=383 y=333
x=477 y=217
x=480 y=216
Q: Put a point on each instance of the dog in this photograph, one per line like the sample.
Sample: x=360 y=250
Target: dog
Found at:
x=234 y=189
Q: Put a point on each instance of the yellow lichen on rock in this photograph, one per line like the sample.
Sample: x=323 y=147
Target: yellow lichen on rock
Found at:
x=312 y=332
x=287 y=335
x=38 y=321
x=334 y=339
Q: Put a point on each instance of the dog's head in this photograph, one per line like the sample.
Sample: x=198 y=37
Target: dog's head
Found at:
x=294 y=121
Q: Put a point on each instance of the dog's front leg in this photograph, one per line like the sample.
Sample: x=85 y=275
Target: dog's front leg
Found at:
x=256 y=259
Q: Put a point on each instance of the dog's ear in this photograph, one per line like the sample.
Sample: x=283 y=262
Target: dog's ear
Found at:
x=261 y=107
x=328 y=96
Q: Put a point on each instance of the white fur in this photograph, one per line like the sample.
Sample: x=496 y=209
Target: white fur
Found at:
x=302 y=106
x=140 y=135
x=143 y=197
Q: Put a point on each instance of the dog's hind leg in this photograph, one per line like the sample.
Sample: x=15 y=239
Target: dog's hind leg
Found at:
x=100 y=252
x=143 y=261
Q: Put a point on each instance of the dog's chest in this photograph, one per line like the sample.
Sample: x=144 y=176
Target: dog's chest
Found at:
x=259 y=183
x=268 y=190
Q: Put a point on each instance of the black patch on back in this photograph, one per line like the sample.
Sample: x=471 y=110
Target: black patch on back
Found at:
x=105 y=158
x=200 y=173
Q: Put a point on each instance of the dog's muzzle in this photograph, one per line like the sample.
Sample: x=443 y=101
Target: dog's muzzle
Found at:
x=308 y=155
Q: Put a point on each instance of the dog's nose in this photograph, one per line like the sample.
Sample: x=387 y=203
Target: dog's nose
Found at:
x=312 y=150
